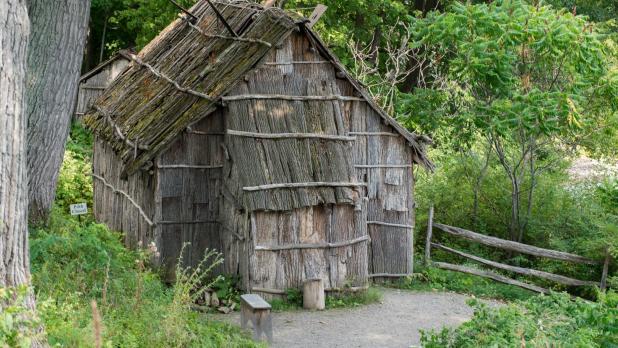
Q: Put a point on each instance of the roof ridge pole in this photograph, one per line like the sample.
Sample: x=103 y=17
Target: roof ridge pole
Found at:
x=222 y=19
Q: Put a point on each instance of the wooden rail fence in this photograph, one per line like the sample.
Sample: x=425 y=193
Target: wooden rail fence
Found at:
x=511 y=246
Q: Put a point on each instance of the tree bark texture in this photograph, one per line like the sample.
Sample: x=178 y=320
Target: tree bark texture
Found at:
x=55 y=56
x=14 y=34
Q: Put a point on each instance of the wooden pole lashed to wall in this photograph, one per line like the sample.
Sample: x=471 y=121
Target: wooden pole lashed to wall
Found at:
x=428 y=239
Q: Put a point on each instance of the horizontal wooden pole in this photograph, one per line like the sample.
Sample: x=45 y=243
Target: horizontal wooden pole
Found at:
x=186 y=222
x=514 y=246
x=269 y=291
x=188 y=166
x=371 y=134
x=311 y=245
x=290 y=97
x=389 y=275
x=283 y=292
x=370 y=166
x=526 y=271
x=491 y=275
x=303 y=185
x=289 y=135
x=191 y=131
x=381 y=223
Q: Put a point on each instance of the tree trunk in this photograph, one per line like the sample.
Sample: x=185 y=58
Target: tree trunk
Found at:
x=14 y=255
x=54 y=60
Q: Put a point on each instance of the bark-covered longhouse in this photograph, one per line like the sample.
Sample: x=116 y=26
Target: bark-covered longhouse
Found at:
x=258 y=145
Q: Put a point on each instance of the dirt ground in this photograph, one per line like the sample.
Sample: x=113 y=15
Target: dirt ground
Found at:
x=392 y=323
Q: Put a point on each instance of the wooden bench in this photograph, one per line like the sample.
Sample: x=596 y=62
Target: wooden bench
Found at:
x=253 y=307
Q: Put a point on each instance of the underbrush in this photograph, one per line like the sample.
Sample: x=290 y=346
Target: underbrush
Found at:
x=435 y=279
x=75 y=263
x=90 y=289
x=541 y=321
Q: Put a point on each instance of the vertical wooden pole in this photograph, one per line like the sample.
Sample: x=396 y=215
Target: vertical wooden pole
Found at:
x=428 y=240
x=605 y=269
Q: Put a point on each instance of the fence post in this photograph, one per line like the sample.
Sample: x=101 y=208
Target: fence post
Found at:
x=428 y=239
x=605 y=269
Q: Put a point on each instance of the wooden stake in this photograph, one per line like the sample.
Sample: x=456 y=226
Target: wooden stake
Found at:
x=428 y=239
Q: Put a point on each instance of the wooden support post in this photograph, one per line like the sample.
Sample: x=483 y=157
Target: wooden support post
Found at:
x=313 y=294
x=428 y=239
x=605 y=270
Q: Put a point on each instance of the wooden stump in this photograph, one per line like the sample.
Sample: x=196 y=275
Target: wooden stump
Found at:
x=254 y=308
x=313 y=294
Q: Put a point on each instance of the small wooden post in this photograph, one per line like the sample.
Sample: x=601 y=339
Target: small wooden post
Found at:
x=428 y=240
x=605 y=270
x=313 y=294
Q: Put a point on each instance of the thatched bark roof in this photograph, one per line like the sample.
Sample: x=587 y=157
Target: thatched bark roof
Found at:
x=181 y=76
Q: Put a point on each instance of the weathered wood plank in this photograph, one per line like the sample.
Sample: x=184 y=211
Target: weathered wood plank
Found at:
x=490 y=275
x=521 y=270
x=515 y=246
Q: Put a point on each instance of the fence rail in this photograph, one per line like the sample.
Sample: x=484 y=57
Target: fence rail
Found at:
x=511 y=246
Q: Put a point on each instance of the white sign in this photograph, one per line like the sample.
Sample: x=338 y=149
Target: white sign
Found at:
x=79 y=209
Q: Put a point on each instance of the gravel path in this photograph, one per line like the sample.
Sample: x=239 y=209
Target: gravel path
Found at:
x=392 y=323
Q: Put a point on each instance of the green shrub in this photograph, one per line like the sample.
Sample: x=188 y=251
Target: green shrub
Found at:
x=18 y=324
x=541 y=321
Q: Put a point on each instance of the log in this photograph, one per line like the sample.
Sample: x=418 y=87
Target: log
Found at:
x=428 y=238
x=605 y=270
x=303 y=184
x=490 y=275
x=515 y=246
x=289 y=135
x=526 y=271
x=313 y=294
x=290 y=97
x=334 y=289
x=269 y=291
x=311 y=245
x=389 y=224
